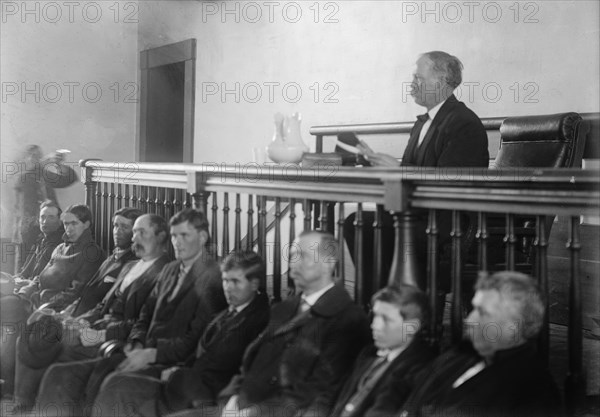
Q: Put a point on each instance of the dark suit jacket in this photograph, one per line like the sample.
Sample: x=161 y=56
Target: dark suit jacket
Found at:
x=223 y=344
x=37 y=261
x=174 y=327
x=299 y=362
x=118 y=313
x=514 y=384
x=394 y=386
x=456 y=138
x=97 y=287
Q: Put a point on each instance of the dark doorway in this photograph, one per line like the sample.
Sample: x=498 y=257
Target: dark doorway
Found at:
x=167 y=106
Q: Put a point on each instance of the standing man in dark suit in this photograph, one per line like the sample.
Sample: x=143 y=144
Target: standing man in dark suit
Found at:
x=298 y=364
x=218 y=355
x=384 y=373
x=447 y=135
x=497 y=371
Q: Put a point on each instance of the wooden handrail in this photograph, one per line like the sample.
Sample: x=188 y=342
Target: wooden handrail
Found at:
x=525 y=191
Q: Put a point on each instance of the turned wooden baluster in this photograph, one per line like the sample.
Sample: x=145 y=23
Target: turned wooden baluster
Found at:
x=378 y=277
x=202 y=204
x=213 y=223
x=482 y=238
x=359 y=294
x=225 y=224
x=292 y=236
x=306 y=207
x=277 y=252
x=405 y=268
x=575 y=382
x=456 y=262
x=540 y=244
x=250 y=225
x=261 y=205
x=197 y=201
x=119 y=196
x=510 y=240
x=105 y=219
x=341 y=243
x=237 y=233
x=432 y=266
x=323 y=220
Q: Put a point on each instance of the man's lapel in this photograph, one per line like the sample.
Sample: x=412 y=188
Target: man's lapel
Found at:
x=432 y=133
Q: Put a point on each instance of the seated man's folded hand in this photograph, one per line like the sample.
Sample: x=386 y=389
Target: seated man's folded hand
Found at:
x=137 y=359
x=166 y=374
x=92 y=337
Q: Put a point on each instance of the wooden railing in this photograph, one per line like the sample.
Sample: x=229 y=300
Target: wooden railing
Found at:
x=236 y=200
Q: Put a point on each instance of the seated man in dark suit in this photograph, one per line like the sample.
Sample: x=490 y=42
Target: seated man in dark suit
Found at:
x=72 y=264
x=51 y=232
x=14 y=311
x=448 y=135
x=217 y=358
x=186 y=298
x=298 y=364
x=111 y=319
x=95 y=289
x=385 y=373
x=497 y=371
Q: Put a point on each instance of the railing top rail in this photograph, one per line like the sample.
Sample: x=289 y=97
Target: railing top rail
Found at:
x=329 y=173
x=522 y=190
x=490 y=123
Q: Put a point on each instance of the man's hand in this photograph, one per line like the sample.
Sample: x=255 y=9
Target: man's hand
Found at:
x=166 y=374
x=91 y=337
x=137 y=359
x=376 y=158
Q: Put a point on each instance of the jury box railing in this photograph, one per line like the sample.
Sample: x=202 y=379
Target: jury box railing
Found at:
x=265 y=206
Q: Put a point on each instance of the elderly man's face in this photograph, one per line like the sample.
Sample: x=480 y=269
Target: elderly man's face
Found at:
x=494 y=324
x=427 y=87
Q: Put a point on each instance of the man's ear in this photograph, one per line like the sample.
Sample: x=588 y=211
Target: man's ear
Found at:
x=87 y=224
x=254 y=284
x=203 y=237
x=411 y=327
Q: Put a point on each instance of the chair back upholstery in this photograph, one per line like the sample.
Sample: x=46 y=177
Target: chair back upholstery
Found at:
x=543 y=141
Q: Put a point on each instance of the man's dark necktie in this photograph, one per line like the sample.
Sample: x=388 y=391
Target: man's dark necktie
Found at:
x=410 y=154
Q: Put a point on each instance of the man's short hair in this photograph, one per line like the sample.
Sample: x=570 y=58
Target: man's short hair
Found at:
x=249 y=262
x=81 y=211
x=50 y=204
x=447 y=66
x=195 y=217
x=523 y=292
x=411 y=301
x=158 y=225
x=328 y=248
x=129 y=213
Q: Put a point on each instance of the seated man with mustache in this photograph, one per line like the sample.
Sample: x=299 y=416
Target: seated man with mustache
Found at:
x=111 y=319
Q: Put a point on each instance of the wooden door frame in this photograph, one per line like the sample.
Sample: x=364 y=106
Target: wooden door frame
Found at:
x=184 y=51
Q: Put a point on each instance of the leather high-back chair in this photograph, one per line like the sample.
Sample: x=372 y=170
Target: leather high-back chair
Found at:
x=547 y=141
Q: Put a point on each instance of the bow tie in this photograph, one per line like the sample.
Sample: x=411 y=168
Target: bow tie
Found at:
x=382 y=353
x=423 y=117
